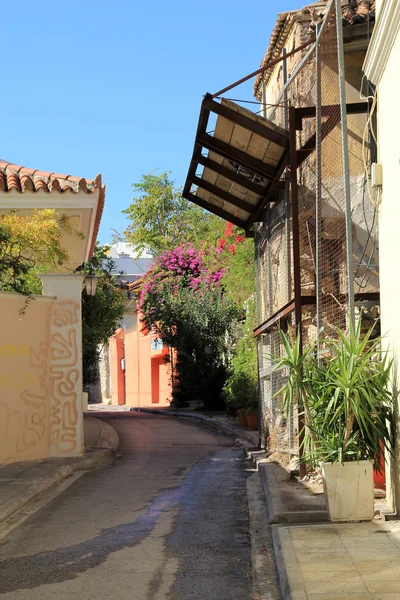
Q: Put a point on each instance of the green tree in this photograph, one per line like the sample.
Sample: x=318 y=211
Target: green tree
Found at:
x=183 y=302
x=162 y=219
x=102 y=313
x=240 y=389
x=30 y=245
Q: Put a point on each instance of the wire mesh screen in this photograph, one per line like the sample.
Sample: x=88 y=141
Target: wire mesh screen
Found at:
x=325 y=262
x=279 y=428
x=333 y=271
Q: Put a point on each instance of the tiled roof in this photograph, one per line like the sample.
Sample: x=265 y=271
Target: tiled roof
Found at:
x=135 y=286
x=22 y=179
x=316 y=12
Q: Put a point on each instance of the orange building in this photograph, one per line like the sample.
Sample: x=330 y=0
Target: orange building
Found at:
x=139 y=362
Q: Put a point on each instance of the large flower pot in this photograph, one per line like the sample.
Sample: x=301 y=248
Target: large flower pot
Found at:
x=242 y=418
x=252 y=420
x=349 y=490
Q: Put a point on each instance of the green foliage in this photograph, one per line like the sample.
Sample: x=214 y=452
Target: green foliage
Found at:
x=162 y=219
x=240 y=389
x=195 y=321
x=102 y=313
x=184 y=304
x=345 y=395
x=29 y=245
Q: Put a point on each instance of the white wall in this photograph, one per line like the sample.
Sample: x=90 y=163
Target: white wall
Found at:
x=389 y=234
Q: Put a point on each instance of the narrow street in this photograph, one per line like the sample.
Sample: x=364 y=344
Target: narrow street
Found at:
x=168 y=521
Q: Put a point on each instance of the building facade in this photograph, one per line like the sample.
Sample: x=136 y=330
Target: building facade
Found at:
x=381 y=67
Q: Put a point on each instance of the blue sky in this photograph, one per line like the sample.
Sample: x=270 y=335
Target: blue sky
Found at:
x=115 y=87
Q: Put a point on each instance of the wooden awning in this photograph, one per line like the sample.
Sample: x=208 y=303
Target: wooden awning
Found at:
x=242 y=161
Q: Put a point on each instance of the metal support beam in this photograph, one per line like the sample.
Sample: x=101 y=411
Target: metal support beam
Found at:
x=244 y=159
x=264 y=68
x=282 y=139
x=231 y=175
x=224 y=195
x=269 y=196
x=318 y=188
x=217 y=211
x=346 y=168
x=296 y=254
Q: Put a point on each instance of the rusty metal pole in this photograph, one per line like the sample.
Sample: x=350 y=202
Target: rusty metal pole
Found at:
x=272 y=63
x=294 y=192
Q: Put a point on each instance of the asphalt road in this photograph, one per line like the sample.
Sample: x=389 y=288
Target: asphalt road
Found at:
x=169 y=521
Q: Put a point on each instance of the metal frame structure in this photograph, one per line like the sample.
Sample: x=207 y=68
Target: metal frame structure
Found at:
x=266 y=188
x=264 y=180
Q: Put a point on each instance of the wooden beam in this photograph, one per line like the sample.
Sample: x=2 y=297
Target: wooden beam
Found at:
x=214 y=209
x=244 y=159
x=273 y=319
x=226 y=196
x=326 y=128
x=367 y=296
x=307 y=112
x=250 y=124
x=232 y=175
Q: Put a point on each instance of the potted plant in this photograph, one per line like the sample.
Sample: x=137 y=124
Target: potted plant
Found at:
x=344 y=393
x=252 y=405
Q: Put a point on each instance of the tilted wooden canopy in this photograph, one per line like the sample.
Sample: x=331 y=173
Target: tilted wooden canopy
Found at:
x=241 y=161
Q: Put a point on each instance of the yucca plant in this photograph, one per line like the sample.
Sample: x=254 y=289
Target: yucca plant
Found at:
x=344 y=394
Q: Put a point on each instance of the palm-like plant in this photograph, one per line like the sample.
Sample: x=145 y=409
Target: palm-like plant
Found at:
x=345 y=395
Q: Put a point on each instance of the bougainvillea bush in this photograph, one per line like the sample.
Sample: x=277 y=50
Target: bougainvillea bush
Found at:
x=183 y=302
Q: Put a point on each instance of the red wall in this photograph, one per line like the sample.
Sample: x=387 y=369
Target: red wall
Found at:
x=147 y=374
x=117 y=373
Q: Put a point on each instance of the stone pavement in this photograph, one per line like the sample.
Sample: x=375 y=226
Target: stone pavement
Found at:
x=24 y=482
x=356 y=561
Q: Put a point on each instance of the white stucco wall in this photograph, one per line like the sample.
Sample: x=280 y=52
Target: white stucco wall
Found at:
x=389 y=230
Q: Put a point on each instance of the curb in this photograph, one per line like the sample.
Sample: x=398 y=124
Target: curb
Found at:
x=274 y=503
x=207 y=422
x=108 y=438
x=92 y=459
x=289 y=573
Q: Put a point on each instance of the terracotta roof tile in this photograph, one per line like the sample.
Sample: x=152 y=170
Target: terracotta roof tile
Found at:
x=316 y=12
x=26 y=183
x=41 y=185
x=22 y=179
x=13 y=181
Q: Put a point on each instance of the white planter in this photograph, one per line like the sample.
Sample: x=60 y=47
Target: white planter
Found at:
x=349 y=490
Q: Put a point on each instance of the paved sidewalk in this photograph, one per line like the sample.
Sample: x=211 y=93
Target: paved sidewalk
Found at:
x=24 y=482
x=356 y=561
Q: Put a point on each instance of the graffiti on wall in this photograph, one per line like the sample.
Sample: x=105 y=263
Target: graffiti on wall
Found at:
x=24 y=425
x=64 y=375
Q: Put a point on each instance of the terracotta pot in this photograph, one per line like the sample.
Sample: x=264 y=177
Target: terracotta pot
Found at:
x=252 y=420
x=242 y=418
